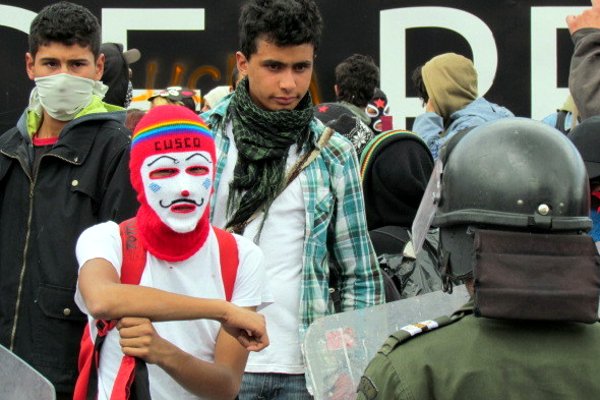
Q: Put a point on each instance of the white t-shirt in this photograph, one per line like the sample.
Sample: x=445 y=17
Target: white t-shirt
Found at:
x=282 y=242
x=200 y=276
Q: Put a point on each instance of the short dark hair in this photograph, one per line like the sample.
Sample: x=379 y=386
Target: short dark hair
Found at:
x=65 y=23
x=356 y=77
x=417 y=79
x=282 y=22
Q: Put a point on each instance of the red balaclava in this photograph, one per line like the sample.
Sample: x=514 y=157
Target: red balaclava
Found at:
x=172 y=168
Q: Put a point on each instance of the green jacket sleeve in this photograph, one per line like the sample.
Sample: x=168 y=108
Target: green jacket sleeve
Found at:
x=381 y=381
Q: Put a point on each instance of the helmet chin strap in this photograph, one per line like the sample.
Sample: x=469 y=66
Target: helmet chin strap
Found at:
x=445 y=270
x=456 y=259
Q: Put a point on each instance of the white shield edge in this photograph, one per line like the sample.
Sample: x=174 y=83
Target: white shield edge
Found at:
x=19 y=381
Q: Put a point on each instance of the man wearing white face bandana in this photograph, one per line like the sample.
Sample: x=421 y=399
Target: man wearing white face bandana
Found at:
x=63 y=168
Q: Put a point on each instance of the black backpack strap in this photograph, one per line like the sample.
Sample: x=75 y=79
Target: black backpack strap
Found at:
x=387 y=241
x=140 y=387
x=561 y=117
x=103 y=328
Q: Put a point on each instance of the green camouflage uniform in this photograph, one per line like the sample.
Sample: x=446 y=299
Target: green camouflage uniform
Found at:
x=481 y=358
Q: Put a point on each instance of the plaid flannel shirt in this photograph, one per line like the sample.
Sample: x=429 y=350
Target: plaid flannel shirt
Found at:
x=336 y=228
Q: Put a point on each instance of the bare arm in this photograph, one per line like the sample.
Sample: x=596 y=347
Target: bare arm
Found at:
x=218 y=380
x=106 y=298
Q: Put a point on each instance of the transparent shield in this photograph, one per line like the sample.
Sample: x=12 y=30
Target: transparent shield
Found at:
x=19 y=381
x=338 y=348
x=428 y=207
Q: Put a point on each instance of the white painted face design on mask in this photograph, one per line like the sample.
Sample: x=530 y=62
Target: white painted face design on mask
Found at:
x=177 y=187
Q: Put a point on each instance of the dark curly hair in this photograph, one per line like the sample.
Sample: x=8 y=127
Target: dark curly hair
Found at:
x=282 y=22
x=417 y=79
x=65 y=23
x=356 y=78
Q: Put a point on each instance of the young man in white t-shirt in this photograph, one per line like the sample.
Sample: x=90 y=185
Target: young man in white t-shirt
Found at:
x=194 y=342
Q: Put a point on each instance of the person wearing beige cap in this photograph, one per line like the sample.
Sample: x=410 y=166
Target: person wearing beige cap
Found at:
x=214 y=96
x=448 y=86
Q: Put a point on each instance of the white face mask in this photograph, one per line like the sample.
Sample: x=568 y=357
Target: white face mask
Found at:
x=177 y=187
x=63 y=95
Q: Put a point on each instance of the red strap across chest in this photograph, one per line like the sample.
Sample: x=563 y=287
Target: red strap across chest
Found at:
x=134 y=256
x=229 y=258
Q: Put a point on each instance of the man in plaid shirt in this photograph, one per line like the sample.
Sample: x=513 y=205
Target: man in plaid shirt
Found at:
x=305 y=219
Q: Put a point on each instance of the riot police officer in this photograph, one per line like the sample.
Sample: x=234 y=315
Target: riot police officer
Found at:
x=512 y=208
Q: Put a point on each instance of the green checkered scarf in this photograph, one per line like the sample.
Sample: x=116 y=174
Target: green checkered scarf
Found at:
x=263 y=139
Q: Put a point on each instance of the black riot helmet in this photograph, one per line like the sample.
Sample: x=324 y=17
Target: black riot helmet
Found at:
x=512 y=174
x=518 y=173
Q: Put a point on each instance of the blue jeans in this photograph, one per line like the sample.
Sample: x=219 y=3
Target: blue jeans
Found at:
x=274 y=387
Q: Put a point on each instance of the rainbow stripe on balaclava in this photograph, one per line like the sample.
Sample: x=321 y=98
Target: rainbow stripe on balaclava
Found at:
x=168 y=129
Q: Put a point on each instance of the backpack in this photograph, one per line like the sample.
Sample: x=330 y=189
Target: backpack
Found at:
x=404 y=273
x=132 y=378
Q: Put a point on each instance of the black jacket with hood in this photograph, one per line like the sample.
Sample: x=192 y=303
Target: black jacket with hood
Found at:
x=83 y=180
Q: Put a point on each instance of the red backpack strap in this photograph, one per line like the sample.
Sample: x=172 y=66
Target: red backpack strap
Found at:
x=229 y=258
x=84 y=365
x=127 y=381
x=134 y=254
x=134 y=261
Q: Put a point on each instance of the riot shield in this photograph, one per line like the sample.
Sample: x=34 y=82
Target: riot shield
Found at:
x=19 y=381
x=337 y=348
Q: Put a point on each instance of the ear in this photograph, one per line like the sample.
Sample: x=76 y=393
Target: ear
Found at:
x=242 y=63
x=29 y=65
x=336 y=89
x=99 y=67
